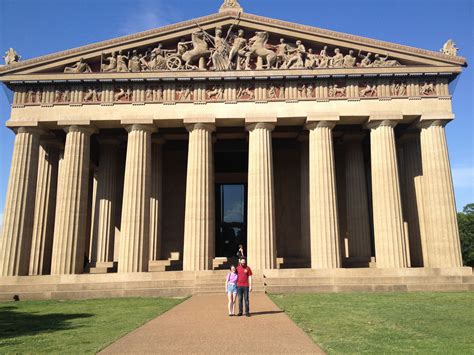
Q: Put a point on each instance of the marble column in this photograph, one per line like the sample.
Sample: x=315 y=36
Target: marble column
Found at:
x=105 y=200
x=442 y=234
x=390 y=250
x=304 y=197
x=156 y=197
x=43 y=226
x=324 y=224
x=135 y=230
x=413 y=206
x=357 y=205
x=19 y=205
x=261 y=237
x=71 y=206
x=199 y=220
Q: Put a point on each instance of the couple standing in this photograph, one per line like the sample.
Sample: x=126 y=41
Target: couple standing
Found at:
x=239 y=282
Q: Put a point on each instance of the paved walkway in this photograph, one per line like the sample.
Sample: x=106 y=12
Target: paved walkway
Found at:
x=201 y=325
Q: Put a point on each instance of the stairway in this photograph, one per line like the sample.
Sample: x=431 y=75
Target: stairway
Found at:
x=368 y=280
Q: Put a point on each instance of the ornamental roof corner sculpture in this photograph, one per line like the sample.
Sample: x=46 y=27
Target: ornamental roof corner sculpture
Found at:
x=231 y=40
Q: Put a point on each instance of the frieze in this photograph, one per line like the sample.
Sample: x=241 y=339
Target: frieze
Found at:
x=229 y=91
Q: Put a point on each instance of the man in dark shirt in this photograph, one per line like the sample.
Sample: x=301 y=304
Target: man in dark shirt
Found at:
x=244 y=286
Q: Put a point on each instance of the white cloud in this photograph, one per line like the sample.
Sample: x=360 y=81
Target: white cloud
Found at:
x=148 y=15
x=463 y=176
x=234 y=214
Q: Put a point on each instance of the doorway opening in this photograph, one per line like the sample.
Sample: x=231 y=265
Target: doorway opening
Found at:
x=231 y=218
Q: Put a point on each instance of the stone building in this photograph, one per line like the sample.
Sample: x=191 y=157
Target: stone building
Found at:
x=167 y=148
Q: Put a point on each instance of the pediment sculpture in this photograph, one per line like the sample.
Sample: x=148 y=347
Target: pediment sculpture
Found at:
x=449 y=48
x=11 y=56
x=221 y=50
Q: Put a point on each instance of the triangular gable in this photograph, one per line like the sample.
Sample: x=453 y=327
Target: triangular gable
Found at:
x=169 y=36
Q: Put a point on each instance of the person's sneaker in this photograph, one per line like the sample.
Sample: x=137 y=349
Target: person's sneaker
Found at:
x=231 y=315
x=239 y=315
x=247 y=314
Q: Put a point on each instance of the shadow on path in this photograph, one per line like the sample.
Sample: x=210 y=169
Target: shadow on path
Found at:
x=265 y=312
x=16 y=323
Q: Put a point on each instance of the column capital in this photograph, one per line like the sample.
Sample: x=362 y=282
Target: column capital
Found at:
x=140 y=127
x=382 y=123
x=203 y=126
x=89 y=130
x=260 y=125
x=322 y=116
x=311 y=125
x=427 y=123
x=32 y=130
x=385 y=115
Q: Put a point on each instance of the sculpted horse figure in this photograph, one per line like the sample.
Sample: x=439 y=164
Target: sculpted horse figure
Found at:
x=199 y=52
x=258 y=48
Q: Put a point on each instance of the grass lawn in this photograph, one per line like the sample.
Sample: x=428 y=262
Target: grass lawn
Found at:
x=385 y=323
x=85 y=326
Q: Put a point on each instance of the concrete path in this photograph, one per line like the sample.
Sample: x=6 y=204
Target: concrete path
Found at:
x=201 y=325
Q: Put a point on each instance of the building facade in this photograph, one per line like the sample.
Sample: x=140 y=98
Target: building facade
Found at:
x=312 y=148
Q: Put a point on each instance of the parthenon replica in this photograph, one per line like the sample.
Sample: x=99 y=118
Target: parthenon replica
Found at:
x=154 y=155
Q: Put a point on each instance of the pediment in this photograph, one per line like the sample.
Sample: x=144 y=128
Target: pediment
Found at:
x=196 y=46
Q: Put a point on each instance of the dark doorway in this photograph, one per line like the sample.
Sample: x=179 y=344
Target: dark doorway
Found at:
x=231 y=218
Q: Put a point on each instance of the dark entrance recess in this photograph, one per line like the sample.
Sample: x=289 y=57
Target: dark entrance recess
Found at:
x=231 y=166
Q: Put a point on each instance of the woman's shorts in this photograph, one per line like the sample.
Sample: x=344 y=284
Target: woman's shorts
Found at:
x=231 y=288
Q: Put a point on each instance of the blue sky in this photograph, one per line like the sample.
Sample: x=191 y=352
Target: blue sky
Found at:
x=36 y=27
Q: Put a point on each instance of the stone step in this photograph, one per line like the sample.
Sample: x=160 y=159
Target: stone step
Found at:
x=468 y=279
x=90 y=294
x=368 y=272
x=441 y=287
x=215 y=292
x=96 y=286
x=329 y=288
x=341 y=280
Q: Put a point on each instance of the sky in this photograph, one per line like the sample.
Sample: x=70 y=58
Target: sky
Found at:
x=36 y=28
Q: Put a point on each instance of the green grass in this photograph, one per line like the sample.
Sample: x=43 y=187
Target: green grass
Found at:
x=74 y=326
x=385 y=323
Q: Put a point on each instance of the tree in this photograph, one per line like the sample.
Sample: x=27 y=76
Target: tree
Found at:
x=466 y=233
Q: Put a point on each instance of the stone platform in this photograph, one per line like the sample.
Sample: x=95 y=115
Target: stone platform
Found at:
x=182 y=283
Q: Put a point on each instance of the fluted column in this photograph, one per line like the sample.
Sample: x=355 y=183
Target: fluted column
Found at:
x=261 y=238
x=324 y=224
x=304 y=197
x=390 y=250
x=412 y=202
x=156 y=197
x=442 y=235
x=357 y=206
x=19 y=206
x=199 y=220
x=71 y=206
x=45 y=207
x=106 y=194
x=135 y=231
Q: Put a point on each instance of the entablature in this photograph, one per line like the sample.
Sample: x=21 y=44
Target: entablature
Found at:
x=228 y=89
